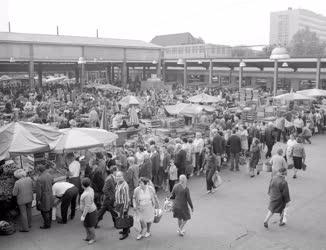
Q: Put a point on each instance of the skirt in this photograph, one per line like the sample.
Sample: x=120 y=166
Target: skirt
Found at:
x=147 y=213
x=297 y=162
x=90 y=219
x=181 y=214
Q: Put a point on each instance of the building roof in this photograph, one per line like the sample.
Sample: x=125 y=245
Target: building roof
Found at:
x=73 y=40
x=175 y=39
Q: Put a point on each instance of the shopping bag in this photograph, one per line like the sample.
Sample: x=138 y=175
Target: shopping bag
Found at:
x=304 y=166
x=217 y=180
x=158 y=213
x=259 y=166
x=168 y=205
x=267 y=166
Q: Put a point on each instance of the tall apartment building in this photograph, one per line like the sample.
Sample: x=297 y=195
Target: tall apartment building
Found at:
x=284 y=24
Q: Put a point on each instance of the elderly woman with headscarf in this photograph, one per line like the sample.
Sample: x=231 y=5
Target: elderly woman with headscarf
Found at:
x=254 y=156
x=180 y=159
x=23 y=191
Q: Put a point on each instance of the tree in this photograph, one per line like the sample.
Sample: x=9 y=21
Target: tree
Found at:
x=200 y=40
x=305 y=43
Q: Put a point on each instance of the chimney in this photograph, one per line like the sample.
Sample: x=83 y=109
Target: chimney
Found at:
x=9 y=28
x=57 y=30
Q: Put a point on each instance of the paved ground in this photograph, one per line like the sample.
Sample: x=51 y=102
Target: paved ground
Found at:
x=232 y=218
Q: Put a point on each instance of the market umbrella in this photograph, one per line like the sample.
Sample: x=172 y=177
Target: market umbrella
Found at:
x=83 y=138
x=293 y=97
x=129 y=100
x=203 y=98
x=312 y=92
x=5 y=78
x=16 y=139
x=187 y=109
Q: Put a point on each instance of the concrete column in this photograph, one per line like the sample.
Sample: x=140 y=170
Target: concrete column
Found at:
x=82 y=76
x=275 y=77
x=158 y=68
x=39 y=72
x=108 y=73
x=164 y=71
x=240 y=76
x=128 y=75
x=124 y=74
x=144 y=73
x=112 y=74
x=185 y=75
x=31 y=67
x=77 y=74
x=210 y=71
x=318 y=73
x=230 y=76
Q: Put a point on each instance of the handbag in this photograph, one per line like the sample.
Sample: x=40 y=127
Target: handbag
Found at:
x=259 y=166
x=158 y=213
x=304 y=166
x=290 y=166
x=122 y=222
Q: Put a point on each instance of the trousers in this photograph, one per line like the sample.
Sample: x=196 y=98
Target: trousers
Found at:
x=108 y=205
x=69 y=199
x=90 y=233
x=47 y=218
x=26 y=215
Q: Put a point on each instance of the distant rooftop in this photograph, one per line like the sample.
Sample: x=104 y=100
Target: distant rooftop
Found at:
x=176 y=39
x=73 y=40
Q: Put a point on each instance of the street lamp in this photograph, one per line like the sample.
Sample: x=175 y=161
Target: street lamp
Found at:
x=278 y=53
x=12 y=60
x=180 y=61
x=82 y=62
x=241 y=65
x=285 y=65
x=154 y=62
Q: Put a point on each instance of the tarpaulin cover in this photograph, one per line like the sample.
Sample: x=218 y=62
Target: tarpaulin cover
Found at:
x=293 y=97
x=204 y=98
x=83 y=138
x=187 y=109
x=312 y=92
x=129 y=100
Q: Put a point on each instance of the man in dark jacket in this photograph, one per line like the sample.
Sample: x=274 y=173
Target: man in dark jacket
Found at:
x=180 y=160
x=218 y=147
x=235 y=149
x=109 y=196
x=44 y=198
x=97 y=178
x=269 y=139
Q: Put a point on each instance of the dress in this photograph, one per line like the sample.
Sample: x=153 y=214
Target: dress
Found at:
x=279 y=194
x=145 y=203
x=244 y=140
x=181 y=198
x=289 y=146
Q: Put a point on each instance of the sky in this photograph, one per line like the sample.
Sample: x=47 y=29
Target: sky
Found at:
x=229 y=22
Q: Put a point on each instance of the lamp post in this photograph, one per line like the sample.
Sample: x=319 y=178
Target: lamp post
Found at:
x=277 y=54
x=241 y=65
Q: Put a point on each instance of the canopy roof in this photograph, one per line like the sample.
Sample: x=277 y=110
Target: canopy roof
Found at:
x=312 y=92
x=187 y=109
x=129 y=100
x=292 y=97
x=109 y=87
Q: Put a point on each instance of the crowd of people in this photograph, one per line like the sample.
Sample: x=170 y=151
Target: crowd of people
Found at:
x=131 y=177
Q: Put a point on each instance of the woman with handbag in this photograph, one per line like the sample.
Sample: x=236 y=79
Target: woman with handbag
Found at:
x=145 y=201
x=299 y=156
x=211 y=168
x=122 y=205
x=254 y=156
x=181 y=197
x=88 y=208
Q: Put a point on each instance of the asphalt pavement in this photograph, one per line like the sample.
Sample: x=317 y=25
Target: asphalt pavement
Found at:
x=231 y=218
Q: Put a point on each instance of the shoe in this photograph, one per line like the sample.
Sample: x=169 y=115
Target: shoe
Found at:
x=209 y=191
x=124 y=236
x=23 y=231
x=91 y=242
x=265 y=224
x=182 y=232
x=139 y=237
x=61 y=222
x=258 y=172
x=178 y=231
x=252 y=176
x=44 y=227
x=281 y=224
x=86 y=239
x=213 y=190
x=147 y=234
x=294 y=176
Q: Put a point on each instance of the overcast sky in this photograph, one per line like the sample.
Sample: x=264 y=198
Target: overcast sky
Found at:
x=231 y=22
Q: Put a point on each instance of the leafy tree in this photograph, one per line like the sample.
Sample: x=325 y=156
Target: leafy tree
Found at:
x=305 y=43
x=267 y=50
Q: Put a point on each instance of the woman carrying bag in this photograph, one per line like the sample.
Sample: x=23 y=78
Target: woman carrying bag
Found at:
x=211 y=168
x=254 y=157
x=88 y=208
x=145 y=201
